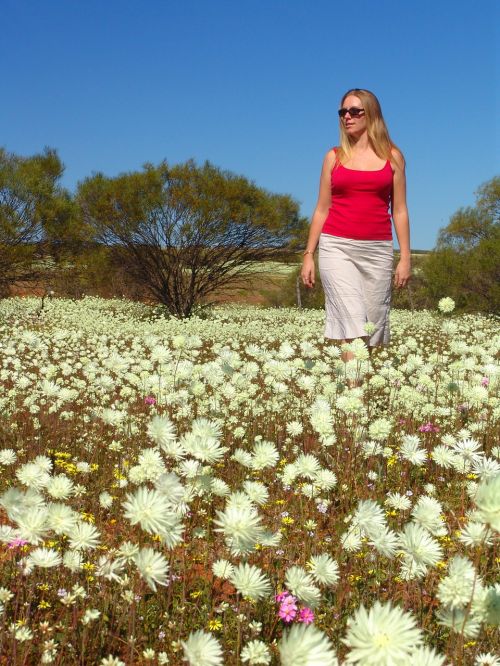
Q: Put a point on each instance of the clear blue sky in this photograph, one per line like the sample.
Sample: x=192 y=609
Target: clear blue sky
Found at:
x=253 y=86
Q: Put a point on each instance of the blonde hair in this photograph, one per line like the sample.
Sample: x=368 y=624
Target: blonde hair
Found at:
x=378 y=134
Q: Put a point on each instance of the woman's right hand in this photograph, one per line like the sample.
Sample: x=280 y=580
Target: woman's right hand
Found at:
x=307 y=272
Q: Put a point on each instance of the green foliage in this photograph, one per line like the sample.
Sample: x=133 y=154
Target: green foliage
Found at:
x=34 y=210
x=466 y=262
x=186 y=232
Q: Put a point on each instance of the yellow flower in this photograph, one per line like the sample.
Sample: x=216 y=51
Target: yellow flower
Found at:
x=215 y=625
x=195 y=594
x=392 y=461
x=44 y=587
x=94 y=467
x=88 y=517
x=44 y=604
x=286 y=520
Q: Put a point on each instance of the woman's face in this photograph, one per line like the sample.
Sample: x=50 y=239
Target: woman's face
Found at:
x=353 y=125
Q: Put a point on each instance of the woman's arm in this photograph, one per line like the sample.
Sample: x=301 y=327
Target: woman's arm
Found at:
x=318 y=218
x=401 y=219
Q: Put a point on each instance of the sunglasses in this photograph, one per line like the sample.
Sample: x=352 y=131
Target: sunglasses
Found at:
x=354 y=112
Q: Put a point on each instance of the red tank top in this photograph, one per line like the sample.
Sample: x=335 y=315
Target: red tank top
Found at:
x=360 y=203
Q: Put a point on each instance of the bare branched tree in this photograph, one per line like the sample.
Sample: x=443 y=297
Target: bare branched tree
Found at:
x=29 y=196
x=185 y=232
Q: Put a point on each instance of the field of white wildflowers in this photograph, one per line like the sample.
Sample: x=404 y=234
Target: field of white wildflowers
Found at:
x=227 y=490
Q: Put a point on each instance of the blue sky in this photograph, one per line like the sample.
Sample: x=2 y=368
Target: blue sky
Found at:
x=253 y=86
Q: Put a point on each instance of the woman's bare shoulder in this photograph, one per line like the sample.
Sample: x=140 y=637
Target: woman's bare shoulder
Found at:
x=330 y=158
x=397 y=159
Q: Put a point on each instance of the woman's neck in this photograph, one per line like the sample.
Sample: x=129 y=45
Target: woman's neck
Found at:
x=361 y=144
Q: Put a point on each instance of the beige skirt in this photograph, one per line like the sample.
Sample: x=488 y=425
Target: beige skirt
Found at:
x=356 y=277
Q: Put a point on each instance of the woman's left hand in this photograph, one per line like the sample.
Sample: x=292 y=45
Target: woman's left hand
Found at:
x=402 y=274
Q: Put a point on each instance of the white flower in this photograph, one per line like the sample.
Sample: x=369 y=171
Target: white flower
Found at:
x=32 y=525
x=306 y=645
x=61 y=518
x=411 y=451
x=301 y=585
x=427 y=512
x=170 y=486
x=250 y=581
x=8 y=457
x=351 y=540
x=89 y=615
x=152 y=566
x=487 y=659
x=256 y=652
x=241 y=527
x=418 y=545
x=369 y=517
x=446 y=305
x=256 y=491
x=324 y=569
x=380 y=429
x=60 y=487
x=486 y=604
x=202 y=649
x=425 y=656
x=460 y=621
x=204 y=448
x=307 y=465
x=294 y=428
x=84 y=536
x=162 y=431
x=73 y=560
x=128 y=550
x=151 y=509
x=110 y=569
x=105 y=500
x=488 y=502
x=111 y=661
x=220 y=487
x=151 y=464
x=22 y=634
x=385 y=542
x=45 y=558
x=382 y=635
x=456 y=589
x=32 y=476
x=222 y=569
x=398 y=501
x=476 y=534
x=265 y=454
x=468 y=452
x=443 y=456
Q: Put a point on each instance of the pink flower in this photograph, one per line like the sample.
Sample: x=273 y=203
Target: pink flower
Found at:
x=485 y=381
x=17 y=543
x=282 y=595
x=287 y=611
x=149 y=400
x=429 y=427
x=306 y=615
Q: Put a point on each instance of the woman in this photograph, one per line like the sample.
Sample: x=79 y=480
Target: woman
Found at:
x=360 y=180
